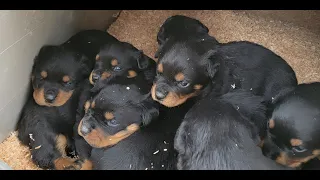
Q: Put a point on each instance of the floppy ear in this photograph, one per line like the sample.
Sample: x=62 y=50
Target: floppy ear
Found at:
x=203 y=28
x=44 y=50
x=143 y=61
x=150 y=111
x=86 y=64
x=212 y=63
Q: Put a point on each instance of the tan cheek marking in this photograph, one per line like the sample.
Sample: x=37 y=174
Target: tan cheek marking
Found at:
x=132 y=74
x=197 y=86
x=316 y=152
x=160 y=68
x=62 y=162
x=97 y=57
x=86 y=106
x=282 y=158
x=93 y=104
x=179 y=77
x=109 y=116
x=295 y=142
x=105 y=75
x=114 y=62
x=44 y=74
x=66 y=79
x=172 y=99
x=90 y=78
x=271 y=124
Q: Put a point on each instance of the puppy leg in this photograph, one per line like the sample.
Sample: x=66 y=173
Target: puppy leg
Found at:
x=48 y=151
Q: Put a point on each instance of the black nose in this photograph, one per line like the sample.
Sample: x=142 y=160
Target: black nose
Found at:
x=85 y=130
x=161 y=94
x=95 y=77
x=50 y=96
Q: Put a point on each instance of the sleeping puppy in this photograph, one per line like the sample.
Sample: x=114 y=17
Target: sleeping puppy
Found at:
x=293 y=126
x=48 y=117
x=217 y=133
x=121 y=61
x=182 y=27
x=89 y=42
x=189 y=70
x=121 y=124
x=57 y=77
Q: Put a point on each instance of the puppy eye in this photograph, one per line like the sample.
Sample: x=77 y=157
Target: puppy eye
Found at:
x=184 y=83
x=299 y=149
x=116 y=68
x=67 y=83
x=113 y=123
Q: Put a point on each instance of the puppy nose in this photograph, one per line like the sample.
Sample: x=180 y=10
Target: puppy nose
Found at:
x=161 y=94
x=95 y=77
x=50 y=96
x=85 y=130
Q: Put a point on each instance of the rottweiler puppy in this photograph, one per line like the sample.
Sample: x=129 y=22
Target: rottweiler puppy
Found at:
x=182 y=27
x=121 y=124
x=186 y=72
x=121 y=62
x=48 y=117
x=217 y=133
x=89 y=41
x=293 y=127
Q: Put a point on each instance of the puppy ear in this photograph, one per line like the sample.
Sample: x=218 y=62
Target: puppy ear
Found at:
x=212 y=63
x=45 y=51
x=143 y=60
x=85 y=64
x=203 y=28
x=150 y=111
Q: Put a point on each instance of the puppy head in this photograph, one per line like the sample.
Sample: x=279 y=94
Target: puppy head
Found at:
x=120 y=59
x=114 y=114
x=179 y=25
x=182 y=73
x=293 y=128
x=56 y=73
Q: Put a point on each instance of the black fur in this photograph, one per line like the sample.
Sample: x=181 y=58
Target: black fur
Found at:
x=296 y=115
x=42 y=121
x=218 y=134
x=128 y=58
x=151 y=147
x=181 y=27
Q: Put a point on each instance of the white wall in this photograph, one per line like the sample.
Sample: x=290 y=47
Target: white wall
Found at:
x=22 y=33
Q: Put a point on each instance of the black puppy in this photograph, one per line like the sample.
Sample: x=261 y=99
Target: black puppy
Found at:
x=218 y=134
x=184 y=73
x=47 y=119
x=121 y=61
x=121 y=124
x=294 y=126
x=89 y=42
x=180 y=28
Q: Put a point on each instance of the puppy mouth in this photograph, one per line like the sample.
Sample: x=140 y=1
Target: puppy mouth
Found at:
x=94 y=77
x=61 y=98
x=171 y=99
x=97 y=138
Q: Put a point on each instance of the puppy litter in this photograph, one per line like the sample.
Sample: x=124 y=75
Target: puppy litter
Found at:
x=30 y=135
x=233 y=86
x=38 y=147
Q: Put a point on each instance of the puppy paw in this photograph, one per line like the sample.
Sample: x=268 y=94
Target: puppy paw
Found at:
x=80 y=164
